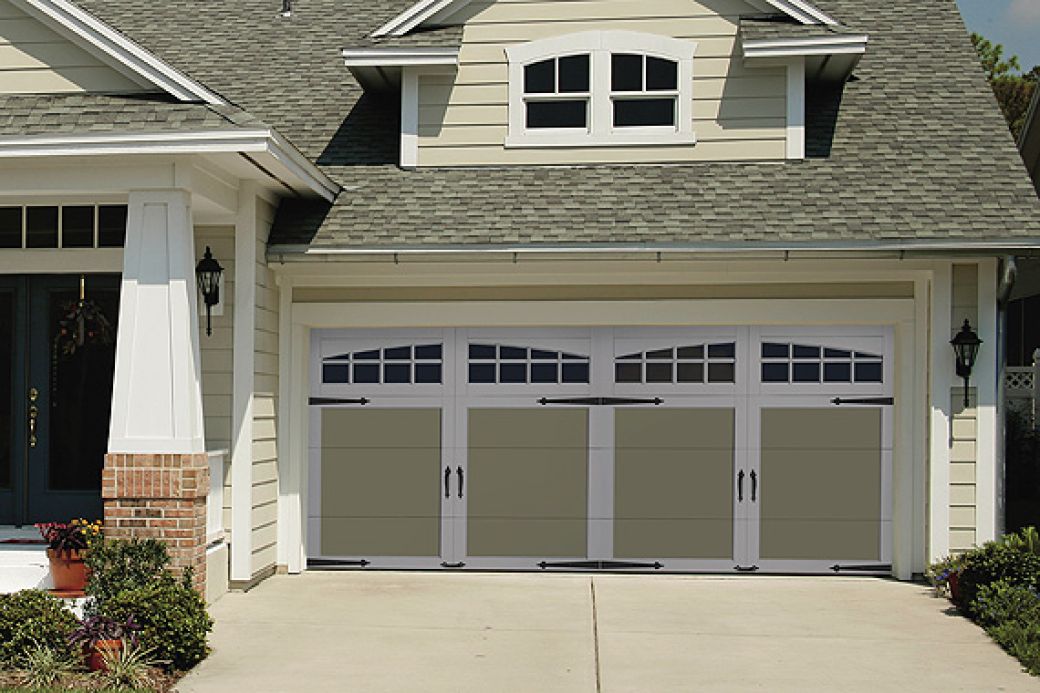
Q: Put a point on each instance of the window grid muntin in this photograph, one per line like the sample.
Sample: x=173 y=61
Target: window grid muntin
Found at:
x=715 y=357
x=23 y=212
x=644 y=93
x=564 y=362
x=418 y=370
x=805 y=359
x=558 y=95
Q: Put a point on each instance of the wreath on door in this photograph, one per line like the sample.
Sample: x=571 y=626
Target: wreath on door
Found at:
x=82 y=324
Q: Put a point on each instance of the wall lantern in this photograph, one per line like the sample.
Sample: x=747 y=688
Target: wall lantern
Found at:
x=208 y=273
x=966 y=347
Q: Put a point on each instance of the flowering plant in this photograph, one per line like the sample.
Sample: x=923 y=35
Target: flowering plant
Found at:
x=71 y=536
x=938 y=573
x=94 y=629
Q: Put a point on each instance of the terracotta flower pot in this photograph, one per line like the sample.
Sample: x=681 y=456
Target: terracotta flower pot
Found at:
x=955 y=589
x=96 y=659
x=68 y=571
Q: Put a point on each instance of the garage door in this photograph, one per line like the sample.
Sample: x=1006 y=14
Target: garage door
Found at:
x=696 y=449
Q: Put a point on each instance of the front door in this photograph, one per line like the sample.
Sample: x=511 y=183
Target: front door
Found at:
x=57 y=353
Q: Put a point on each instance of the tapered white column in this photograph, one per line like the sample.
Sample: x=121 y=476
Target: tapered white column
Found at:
x=157 y=394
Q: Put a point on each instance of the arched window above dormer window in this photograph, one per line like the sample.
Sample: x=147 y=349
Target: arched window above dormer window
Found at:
x=601 y=88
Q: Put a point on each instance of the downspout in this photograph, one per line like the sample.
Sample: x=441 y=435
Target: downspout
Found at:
x=1008 y=275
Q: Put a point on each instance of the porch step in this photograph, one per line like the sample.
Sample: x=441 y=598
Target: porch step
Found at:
x=24 y=566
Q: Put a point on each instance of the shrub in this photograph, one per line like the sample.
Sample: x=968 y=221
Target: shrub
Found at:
x=1004 y=601
x=172 y=618
x=118 y=565
x=32 y=618
x=1022 y=640
x=1009 y=560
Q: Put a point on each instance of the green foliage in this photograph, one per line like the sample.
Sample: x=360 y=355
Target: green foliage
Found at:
x=173 y=621
x=128 y=667
x=1009 y=560
x=118 y=565
x=44 y=666
x=1004 y=601
x=32 y=618
x=1013 y=90
x=1022 y=640
x=991 y=55
x=938 y=573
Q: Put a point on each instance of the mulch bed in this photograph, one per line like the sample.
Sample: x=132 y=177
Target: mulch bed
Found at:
x=159 y=682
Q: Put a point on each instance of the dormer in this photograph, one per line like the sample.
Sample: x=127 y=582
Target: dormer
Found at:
x=604 y=81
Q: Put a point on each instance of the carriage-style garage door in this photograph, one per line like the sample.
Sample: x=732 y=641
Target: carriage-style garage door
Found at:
x=694 y=449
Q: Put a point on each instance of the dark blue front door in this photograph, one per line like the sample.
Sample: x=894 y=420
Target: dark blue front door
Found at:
x=56 y=360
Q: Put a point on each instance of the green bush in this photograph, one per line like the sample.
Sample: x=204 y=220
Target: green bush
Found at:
x=1004 y=601
x=1009 y=560
x=173 y=621
x=118 y=565
x=1022 y=640
x=32 y=618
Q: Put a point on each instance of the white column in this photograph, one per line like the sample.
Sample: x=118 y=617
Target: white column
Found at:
x=243 y=342
x=157 y=394
x=409 y=118
x=985 y=378
x=942 y=374
x=796 y=109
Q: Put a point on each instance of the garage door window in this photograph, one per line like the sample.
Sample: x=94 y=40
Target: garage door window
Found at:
x=499 y=363
x=699 y=363
x=421 y=363
x=803 y=363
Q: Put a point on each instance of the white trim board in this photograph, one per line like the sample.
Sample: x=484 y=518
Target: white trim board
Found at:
x=822 y=45
x=399 y=57
x=116 y=49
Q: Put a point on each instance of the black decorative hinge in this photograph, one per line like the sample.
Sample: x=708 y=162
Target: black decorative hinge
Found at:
x=445 y=564
x=600 y=401
x=335 y=563
x=338 y=400
x=745 y=568
x=864 y=400
x=599 y=565
x=876 y=568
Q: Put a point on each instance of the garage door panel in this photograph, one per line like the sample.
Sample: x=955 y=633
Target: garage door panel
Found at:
x=536 y=537
x=532 y=482
x=835 y=429
x=825 y=541
x=675 y=484
x=380 y=536
x=674 y=428
x=381 y=483
x=674 y=538
x=375 y=428
x=528 y=428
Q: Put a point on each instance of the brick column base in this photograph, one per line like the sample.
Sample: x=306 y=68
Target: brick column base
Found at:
x=162 y=497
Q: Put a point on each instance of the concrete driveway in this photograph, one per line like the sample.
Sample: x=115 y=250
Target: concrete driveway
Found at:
x=499 y=633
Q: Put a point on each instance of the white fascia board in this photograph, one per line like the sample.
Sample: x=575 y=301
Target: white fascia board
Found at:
x=823 y=45
x=803 y=11
x=108 y=42
x=414 y=16
x=399 y=57
x=258 y=141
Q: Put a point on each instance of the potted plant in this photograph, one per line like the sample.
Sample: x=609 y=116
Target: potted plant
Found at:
x=102 y=638
x=945 y=576
x=67 y=544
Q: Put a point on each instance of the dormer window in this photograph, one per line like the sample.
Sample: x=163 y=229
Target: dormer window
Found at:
x=601 y=88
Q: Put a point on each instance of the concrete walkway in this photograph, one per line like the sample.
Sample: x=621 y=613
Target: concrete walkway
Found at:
x=500 y=633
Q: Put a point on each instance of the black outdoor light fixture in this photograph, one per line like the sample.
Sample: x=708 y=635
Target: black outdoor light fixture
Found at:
x=208 y=273
x=966 y=346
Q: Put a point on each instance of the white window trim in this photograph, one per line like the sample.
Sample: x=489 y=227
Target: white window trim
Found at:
x=601 y=132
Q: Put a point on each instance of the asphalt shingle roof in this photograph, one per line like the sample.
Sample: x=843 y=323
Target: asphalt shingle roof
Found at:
x=913 y=149
x=761 y=28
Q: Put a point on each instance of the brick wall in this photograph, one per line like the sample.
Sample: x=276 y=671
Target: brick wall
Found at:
x=160 y=496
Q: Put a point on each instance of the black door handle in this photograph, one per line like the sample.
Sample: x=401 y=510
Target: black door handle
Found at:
x=447 y=482
x=754 y=485
x=462 y=480
x=740 y=486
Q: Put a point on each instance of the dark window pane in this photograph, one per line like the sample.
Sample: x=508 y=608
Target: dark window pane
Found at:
x=806 y=352
x=512 y=373
x=544 y=373
x=644 y=112
x=366 y=373
x=806 y=372
x=861 y=355
x=720 y=373
x=658 y=372
x=837 y=354
x=868 y=372
x=774 y=373
x=428 y=351
x=482 y=372
x=691 y=352
x=512 y=353
x=628 y=373
x=771 y=350
x=691 y=372
x=630 y=357
x=575 y=372
x=372 y=355
x=556 y=114
x=111 y=226
x=335 y=373
x=7 y=337
x=574 y=357
x=658 y=354
x=574 y=73
x=544 y=355
x=427 y=373
x=77 y=227
x=397 y=373
x=338 y=357
x=540 y=77
x=626 y=72
x=482 y=351
x=41 y=227
x=837 y=373
x=10 y=227
x=722 y=351
x=398 y=353
x=661 y=74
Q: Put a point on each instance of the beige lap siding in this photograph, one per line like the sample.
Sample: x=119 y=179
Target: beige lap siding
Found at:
x=36 y=60
x=964 y=426
x=217 y=355
x=265 y=406
x=738 y=113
